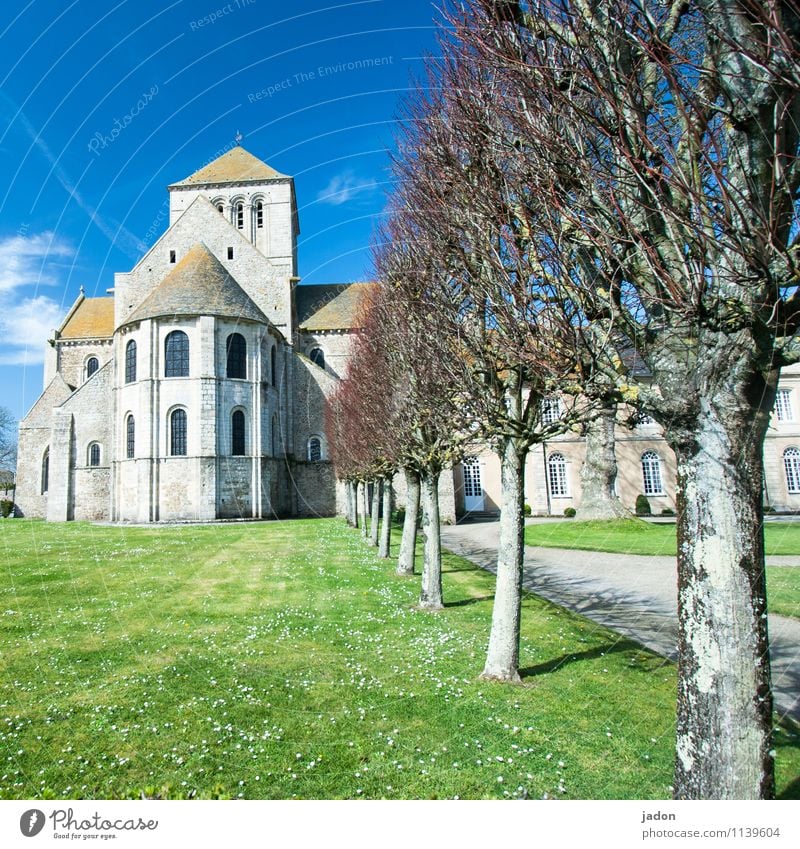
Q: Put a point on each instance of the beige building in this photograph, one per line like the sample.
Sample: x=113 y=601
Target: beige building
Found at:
x=646 y=465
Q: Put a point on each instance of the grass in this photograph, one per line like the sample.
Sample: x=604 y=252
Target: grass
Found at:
x=635 y=536
x=282 y=660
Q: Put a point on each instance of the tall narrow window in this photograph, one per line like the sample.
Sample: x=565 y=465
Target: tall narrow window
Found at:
x=783 y=405
x=176 y=354
x=651 y=473
x=557 y=475
x=236 y=350
x=130 y=362
x=46 y=470
x=273 y=371
x=94 y=454
x=92 y=364
x=314 y=449
x=551 y=410
x=130 y=437
x=237 y=433
x=276 y=437
x=259 y=215
x=220 y=208
x=172 y=256
x=240 y=216
x=177 y=433
x=318 y=357
x=791 y=464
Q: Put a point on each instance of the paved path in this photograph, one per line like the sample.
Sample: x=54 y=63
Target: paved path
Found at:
x=633 y=594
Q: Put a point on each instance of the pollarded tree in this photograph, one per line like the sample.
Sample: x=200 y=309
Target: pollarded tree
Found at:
x=428 y=424
x=663 y=138
x=462 y=191
x=8 y=440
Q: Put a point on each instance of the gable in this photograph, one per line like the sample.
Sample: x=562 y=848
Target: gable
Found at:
x=41 y=413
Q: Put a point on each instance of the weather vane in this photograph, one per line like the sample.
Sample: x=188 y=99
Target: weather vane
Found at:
x=239 y=137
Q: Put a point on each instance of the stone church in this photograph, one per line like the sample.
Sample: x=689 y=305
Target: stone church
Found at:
x=195 y=390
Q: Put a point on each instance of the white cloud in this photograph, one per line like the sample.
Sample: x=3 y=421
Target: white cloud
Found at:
x=25 y=328
x=26 y=260
x=344 y=187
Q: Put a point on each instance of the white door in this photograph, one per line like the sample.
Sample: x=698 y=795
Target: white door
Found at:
x=473 y=491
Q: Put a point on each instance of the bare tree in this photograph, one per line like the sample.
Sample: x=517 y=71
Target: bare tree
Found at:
x=466 y=208
x=8 y=440
x=663 y=138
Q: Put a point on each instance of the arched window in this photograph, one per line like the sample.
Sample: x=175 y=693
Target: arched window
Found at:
x=273 y=371
x=276 y=437
x=651 y=473
x=236 y=349
x=259 y=215
x=130 y=437
x=46 y=470
x=239 y=208
x=791 y=464
x=130 y=362
x=220 y=208
x=314 y=449
x=557 y=475
x=92 y=364
x=237 y=434
x=94 y=454
x=176 y=354
x=177 y=433
x=317 y=356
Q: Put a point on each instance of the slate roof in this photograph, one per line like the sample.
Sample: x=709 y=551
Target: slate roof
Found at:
x=235 y=166
x=198 y=285
x=92 y=318
x=329 y=307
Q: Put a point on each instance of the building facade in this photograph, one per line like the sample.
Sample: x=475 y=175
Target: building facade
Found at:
x=196 y=389
x=645 y=465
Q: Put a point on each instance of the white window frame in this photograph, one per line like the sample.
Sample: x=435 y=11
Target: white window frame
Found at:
x=652 y=474
x=558 y=474
x=551 y=410
x=791 y=469
x=783 y=406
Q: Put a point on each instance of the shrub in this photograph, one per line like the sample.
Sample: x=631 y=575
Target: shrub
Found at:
x=769 y=509
x=643 y=506
x=569 y=512
x=527 y=509
x=667 y=511
x=6 y=506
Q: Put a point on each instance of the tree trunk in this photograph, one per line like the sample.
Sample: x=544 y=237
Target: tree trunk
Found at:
x=408 y=544
x=724 y=722
x=362 y=485
x=502 y=660
x=354 y=504
x=376 y=510
x=431 y=596
x=386 y=528
x=599 y=470
x=348 y=503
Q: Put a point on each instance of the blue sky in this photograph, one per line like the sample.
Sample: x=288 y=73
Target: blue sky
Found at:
x=103 y=105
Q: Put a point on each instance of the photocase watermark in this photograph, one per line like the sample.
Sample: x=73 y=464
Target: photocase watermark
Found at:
x=101 y=141
x=318 y=73
x=31 y=822
x=224 y=11
x=67 y=826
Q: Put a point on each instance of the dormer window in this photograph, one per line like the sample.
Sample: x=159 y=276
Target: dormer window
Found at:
x=240 y=216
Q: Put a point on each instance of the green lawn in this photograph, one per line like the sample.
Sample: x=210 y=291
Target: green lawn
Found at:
x=283 y=659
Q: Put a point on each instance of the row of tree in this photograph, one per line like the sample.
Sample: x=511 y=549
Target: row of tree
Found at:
x=597 y=201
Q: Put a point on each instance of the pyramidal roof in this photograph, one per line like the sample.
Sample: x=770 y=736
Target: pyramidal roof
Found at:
x=198 y=285
x=235 y=166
